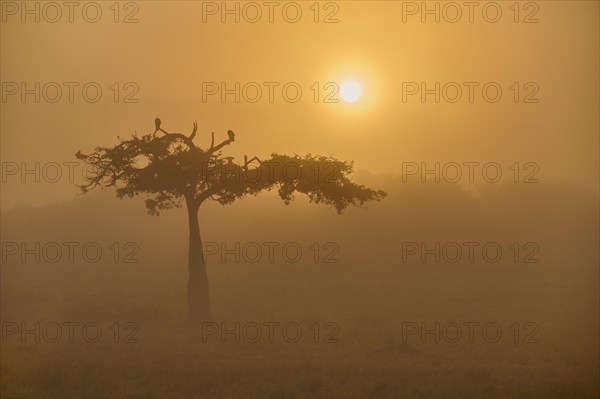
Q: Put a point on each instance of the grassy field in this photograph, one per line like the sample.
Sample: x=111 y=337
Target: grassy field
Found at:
x=370 y=295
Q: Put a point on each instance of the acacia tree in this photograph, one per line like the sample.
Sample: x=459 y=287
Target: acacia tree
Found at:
x=172 y=170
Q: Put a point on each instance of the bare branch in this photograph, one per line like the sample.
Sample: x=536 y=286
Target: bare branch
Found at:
x=246 y=162
x=194 y=131
x=184 y=138
x=231 y=139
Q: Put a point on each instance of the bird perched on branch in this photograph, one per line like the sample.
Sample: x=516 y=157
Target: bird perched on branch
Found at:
x=157 y=124
x=231 y=135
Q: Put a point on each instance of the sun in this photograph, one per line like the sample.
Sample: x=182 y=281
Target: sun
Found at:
x=350 y=91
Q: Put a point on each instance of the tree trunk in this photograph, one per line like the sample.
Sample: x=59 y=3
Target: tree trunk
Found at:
x=197 y=289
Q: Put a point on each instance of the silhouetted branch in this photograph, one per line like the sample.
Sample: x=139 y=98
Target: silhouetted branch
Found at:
x=181 y=136
x=214 y=149
x=246 y=162
x=194 y=131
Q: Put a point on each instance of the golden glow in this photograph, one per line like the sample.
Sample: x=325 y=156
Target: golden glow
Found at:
x=350 y=91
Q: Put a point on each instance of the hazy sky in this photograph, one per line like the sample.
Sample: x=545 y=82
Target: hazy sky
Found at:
x=170 y=52
x=419 y=256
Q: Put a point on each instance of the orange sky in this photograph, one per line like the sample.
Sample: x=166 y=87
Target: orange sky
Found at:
x=170 y=52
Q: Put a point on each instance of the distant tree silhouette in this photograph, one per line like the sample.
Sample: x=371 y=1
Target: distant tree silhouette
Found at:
x=171 y=168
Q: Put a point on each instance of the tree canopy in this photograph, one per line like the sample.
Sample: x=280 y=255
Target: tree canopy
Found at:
x=170 y=167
